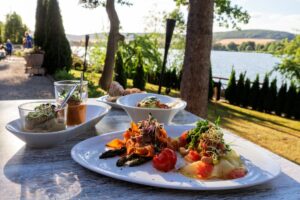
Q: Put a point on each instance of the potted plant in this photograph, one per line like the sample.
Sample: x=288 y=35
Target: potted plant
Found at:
x=34 y=60
x=34 y=57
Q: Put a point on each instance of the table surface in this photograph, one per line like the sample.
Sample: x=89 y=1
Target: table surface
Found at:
x=52 y=174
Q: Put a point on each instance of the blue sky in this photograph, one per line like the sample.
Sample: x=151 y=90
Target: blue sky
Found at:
x=281 y=15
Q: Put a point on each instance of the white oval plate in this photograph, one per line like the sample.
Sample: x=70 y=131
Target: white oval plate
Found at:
x=95 y=112
x=112 y=104
x=261 y=167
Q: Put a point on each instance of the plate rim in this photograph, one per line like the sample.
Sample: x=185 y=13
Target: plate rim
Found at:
x=102 y=99
x=9 y=125
x=154 y=184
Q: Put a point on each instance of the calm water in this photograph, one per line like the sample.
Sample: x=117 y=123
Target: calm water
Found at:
x=223 y=61
x=251 y=63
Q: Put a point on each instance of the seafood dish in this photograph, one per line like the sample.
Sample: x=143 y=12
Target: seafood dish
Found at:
x=202 y=150
x=207 y=155
x=143 y=142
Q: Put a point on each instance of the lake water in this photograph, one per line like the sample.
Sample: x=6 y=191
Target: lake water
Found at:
x=223 y=61
x=251 y=63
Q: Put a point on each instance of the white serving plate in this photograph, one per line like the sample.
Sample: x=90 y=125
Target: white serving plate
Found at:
x=112 y=104
x=261 y=168
x=49 y=139
x=165 y=116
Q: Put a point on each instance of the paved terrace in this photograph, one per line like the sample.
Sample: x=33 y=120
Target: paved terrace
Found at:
x=15 y=84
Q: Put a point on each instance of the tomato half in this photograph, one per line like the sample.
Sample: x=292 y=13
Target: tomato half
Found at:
x=182 y=139
x=192 y=156
x=204 y=170
x=165 y=161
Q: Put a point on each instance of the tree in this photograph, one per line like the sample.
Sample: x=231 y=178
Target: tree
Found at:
x=240 y=89
x=120 y=75
x=211 y=85
x=280 y=100
x=232 y=46
x=230 y=92
x=1 y=32
x=218 y=47
x=246 y=93
x=14 y=28
x=114 y=37
x=290 y=60
x=263 y=100
x=297 y=115
x=57 y=48
x=148 y=47
x=272 y=95
x=195 y=78
x=40 y=22
x=139 y=80
x=290 y=105
x=255 y=93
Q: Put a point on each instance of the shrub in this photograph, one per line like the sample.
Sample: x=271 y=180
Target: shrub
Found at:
x=174 y=78
x=297 y=115
x=63 y=74
x=272 y=95
x=255 y=93
x=139 y=80
x=230 y=92
x=263 y=97
x=94 y=91
x=280 y=100
x=120 y=75
x=240 y=89
x=77 y=62
x=246 y=93
x=57 y=48
x=290 y=105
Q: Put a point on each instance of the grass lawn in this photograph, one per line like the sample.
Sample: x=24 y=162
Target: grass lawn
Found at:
x=278 y=134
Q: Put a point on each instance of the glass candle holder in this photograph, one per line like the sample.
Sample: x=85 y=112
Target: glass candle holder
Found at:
x=76 y=113
x=42 y=116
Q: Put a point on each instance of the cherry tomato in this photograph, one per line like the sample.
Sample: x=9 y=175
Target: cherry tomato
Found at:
x=165 y=160
x=182 y=139
x=204 y=169
x=237 y=173
x=192 y=156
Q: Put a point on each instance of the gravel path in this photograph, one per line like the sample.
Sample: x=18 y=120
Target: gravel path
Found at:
x=15 y=84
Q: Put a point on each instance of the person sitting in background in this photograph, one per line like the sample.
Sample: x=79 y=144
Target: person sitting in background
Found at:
x=9 y=47
x=28 y=41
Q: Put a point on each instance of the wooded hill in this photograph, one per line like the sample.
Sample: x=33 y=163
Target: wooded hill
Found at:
x=254 y=33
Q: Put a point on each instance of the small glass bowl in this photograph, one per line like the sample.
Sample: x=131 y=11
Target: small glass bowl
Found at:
x=42 y=116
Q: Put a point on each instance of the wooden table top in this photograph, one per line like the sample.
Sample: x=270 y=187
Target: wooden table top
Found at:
x=27 y=173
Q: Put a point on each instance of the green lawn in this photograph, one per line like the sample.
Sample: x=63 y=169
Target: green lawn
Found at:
x=278 y=134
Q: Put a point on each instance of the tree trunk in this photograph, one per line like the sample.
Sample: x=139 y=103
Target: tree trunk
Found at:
x=195 y=78
x=112 y=45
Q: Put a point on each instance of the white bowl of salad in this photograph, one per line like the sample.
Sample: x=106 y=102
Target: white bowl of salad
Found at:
x=139 y=106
